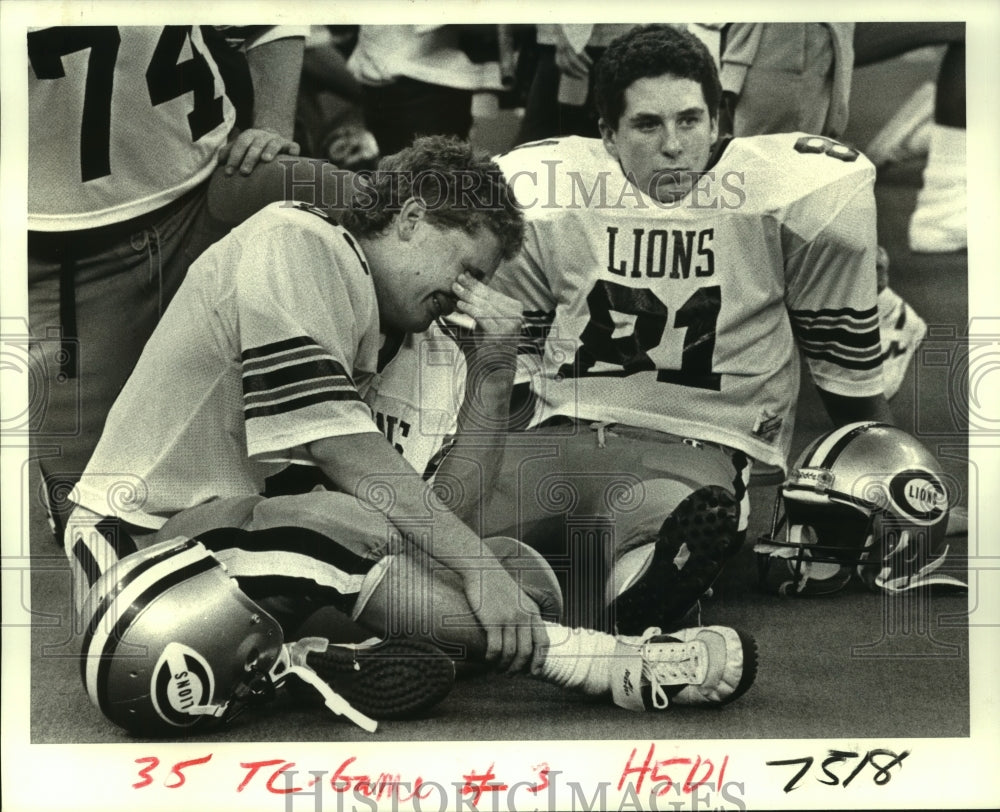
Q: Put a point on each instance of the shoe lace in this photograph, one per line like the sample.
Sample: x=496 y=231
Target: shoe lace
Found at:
x=670 y=664
x=293 y=661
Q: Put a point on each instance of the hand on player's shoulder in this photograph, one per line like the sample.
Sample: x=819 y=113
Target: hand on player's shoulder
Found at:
x=254 y=146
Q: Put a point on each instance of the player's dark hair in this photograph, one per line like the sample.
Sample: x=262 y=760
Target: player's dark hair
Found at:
x=646 y=52
x=459 y=187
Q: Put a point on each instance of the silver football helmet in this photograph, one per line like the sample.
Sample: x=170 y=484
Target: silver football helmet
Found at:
x=866 y=499
x=171 y=642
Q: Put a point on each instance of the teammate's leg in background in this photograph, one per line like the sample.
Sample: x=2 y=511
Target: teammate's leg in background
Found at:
x=621 y=519
x=938 y=223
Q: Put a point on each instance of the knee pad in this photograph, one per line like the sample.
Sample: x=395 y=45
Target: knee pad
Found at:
x=531 y=572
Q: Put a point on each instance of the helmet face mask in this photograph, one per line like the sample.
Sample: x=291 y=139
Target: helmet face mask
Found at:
x=171 y=642
x=864 y=500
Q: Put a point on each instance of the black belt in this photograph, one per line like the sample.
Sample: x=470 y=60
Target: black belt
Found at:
x=54 y=246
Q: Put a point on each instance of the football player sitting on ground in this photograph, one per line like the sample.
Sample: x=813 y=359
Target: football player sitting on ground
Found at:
x=670 y=281
x=261 y=360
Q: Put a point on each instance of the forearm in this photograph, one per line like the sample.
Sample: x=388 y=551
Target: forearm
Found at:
x=275 y=68
x=366 y=466
x=327 y=67
x=843 y=409
x=470 y=470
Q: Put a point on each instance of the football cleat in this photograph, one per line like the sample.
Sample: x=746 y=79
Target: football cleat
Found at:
x=902 y=330
x=701 y=665
x=695 y=541
x=383 y=679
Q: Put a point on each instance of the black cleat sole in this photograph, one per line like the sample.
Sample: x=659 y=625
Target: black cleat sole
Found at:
x=706 y=522
x=394 y=679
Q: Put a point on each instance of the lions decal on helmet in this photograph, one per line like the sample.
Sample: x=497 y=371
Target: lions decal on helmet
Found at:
x=865 y=500
x=172 y=642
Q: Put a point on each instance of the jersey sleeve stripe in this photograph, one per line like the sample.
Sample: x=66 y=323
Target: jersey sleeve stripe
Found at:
x=849 y=312
x=302 y=372
x=277 y=347
x=847 y=363
x=311 y=375
x=846 y=337
x=284 y=407
x=811 y=347
x=285 y=393
x=283 y=365
x=284 y=359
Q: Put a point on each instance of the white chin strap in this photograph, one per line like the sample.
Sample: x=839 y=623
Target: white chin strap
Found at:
x=925 y=576
x=208 y=710
x=292 y=660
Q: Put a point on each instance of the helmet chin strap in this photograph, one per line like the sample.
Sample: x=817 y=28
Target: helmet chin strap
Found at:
x=217 y=711
x=292 y=660
x=925 y=576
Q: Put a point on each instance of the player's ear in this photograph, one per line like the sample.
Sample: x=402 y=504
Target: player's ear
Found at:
x=410 y=216
x=609 y=137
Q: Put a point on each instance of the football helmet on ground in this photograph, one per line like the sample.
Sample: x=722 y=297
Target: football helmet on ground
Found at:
x=172 y=643
x=866 y=499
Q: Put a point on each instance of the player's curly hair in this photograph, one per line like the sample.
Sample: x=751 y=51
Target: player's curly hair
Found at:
x=459 y=187
x=649 y=51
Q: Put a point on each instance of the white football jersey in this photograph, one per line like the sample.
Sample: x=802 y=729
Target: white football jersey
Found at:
x=684 y=317
x=416 y=397
x=122 y=120
x=267 y=346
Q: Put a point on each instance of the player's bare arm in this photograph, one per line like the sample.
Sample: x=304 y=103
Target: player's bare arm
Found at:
x=843 y=409
x=490 y=349
x=510 y=619
x=275 y=67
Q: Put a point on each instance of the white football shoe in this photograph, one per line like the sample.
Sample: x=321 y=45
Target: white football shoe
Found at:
x=701 y=665
x=902 y=330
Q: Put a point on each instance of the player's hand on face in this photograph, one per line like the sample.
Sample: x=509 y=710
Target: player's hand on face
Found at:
x=497 y=316
x=510 y=619
x=254 y=146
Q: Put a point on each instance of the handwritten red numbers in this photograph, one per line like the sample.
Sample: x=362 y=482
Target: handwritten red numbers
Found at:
x=175 y=778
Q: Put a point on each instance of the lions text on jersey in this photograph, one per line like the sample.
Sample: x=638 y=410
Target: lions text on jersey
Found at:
x=684 y=317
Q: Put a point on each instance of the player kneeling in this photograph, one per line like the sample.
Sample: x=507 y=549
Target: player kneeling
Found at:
x=173 y=644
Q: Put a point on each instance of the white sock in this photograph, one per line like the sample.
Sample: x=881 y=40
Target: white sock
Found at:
x=939 y=221
x=578 y=658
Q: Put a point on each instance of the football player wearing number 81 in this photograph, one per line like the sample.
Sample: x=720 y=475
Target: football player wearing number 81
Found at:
x=670 y=281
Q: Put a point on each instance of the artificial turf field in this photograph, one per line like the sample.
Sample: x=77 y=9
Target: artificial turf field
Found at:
x=853 y=665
